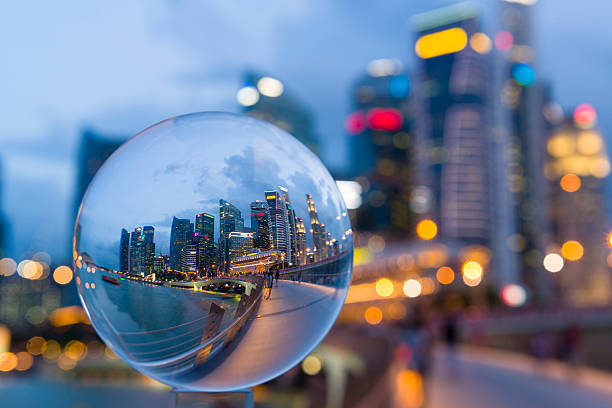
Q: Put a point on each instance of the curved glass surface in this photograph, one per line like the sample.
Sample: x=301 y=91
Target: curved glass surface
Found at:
x=213 y=251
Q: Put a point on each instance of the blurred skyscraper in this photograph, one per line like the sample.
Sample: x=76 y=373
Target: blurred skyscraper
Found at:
x=265 y=98
x=577 y=166
x=382 y=148
x=452 y=121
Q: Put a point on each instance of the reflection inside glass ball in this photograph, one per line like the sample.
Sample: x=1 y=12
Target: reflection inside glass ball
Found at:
x=213 y=252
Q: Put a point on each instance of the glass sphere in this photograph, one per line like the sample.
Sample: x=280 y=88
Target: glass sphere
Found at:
x=212 y=251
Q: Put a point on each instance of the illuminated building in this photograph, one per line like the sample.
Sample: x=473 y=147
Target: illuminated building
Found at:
x=523 y=97
x=577 y=168
x=292 y=227
x=189 y=258
x=204 y=236
x=266 y=98
x=319 y=235
x=230 y=220
x=148 y=235
x=256 y=262
x=452 y=124
x=382 y=149
x=181 y=234
x=137 y=252
x=124 y=251
x=161 y=264
x=279 y=223
x=300 y=241
x=260 y=225
x=239 y=244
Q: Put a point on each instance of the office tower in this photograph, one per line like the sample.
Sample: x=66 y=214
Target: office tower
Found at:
x=204 y=236
x=319 y=235
x=301 y=241
x=160 y=264
x=577 y=168
x=230 y=220
x=279 y=223
x=239 y=244
x=523 y=97
x=148 y=235
x=382 y=149
x=452 y=122
x=137 y=252
x=189 y=258
x=260 y=225
x=292 y=228
x=181 y=234
x=124 y=251
x=265 y=98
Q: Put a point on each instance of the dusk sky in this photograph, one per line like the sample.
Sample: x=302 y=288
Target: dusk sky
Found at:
x=119 y=67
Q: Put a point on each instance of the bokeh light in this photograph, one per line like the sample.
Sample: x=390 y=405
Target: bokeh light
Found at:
x=553 y=262
x=570 y=183
x=523 y=74
x=472 y=270
x=572 y=250
x=62 y=275
x=312 y=364
x=412 y=288
x=513 y=295
x=481 y=43
x=441 y=43
x=445 y=275
x=504 y=41
x=8 y=361
x=585 y=116
x=373 y=315
x=384 y=287
x=427 y=229
x=247 y=96
x=8 y=266
x=270 y=87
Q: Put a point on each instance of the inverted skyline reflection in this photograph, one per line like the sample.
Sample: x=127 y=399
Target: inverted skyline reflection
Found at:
x=213 y=251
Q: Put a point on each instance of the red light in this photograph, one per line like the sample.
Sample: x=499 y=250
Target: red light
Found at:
x=585 y=115
x=260 y=214
x=504 y=41
x=252 y=214
x=355 y=123
x=385 y=119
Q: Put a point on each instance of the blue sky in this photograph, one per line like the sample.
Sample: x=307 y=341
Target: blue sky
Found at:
x=121 y=66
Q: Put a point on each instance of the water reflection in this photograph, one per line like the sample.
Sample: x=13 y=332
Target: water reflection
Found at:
x=224 y=301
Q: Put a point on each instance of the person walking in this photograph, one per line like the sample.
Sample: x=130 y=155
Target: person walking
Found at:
x=268 y=279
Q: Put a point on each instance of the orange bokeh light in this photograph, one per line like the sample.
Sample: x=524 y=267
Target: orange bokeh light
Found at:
x=445 y=275
x=572 y=250
x=570 y=183
x=426 y=229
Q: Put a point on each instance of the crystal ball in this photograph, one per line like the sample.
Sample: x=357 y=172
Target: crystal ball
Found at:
x=212 y=251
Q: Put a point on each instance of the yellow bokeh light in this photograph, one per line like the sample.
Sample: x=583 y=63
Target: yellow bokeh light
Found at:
x=570 y=183
x=472 y=282
x=36 y=345
x=441 y=43
x=8 y=361
x=481 y=43
x=599 y=167
x=472 y=270
x=384 y=287
x=427 y=229
x=445 y=275
x=572 y=250
x=270 y=87
x=589 y=142
x=373 y=315
x=412 y=288
x=312 y=365
x=561 y=145
x=52 y=350
x=62 y=275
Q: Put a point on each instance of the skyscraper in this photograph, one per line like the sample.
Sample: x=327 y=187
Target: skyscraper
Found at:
x=189 y=258
x=124 y=251
x=137 y=252
x=292 y=227
x=230 y=220
x=260 y=225
x=300 y=241
x=452 y=122
x=279 y=223
x=265 y=98
x=577 y=167
x=181 y=233
x=319 y=235
x=380 y=129
x=239 y=244
x=204 y=236
x=148 y=235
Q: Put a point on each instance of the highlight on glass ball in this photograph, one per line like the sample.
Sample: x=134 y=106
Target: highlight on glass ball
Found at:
x=213 y=251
